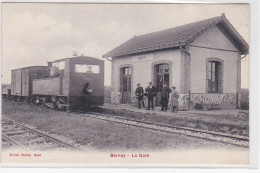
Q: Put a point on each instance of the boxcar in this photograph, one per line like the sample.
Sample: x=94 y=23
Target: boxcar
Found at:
x=6 y=90
x=74 y=82
x=21 y=80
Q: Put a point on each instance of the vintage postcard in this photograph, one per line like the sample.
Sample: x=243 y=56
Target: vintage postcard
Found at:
x=125 y=85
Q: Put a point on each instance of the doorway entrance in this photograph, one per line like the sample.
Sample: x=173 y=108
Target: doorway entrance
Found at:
x=162 y=75
x=126 y=73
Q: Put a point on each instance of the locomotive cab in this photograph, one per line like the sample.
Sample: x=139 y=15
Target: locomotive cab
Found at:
x=76 y=82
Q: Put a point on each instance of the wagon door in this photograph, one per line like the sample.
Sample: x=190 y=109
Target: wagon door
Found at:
x=18 y=82
x=25 y=82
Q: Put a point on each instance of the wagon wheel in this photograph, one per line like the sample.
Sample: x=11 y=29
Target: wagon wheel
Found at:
x=59 y=105
x=55 y=105
x=18 y=99
x=67 y=109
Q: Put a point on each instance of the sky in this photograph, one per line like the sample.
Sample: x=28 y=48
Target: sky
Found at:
x=34 y=33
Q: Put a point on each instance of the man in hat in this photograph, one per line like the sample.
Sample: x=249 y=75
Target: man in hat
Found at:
x=165 y=96
x=174 y=99
x=139 y=92
x=151 y=92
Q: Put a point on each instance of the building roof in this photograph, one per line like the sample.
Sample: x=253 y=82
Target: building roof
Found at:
x=38 y=66
x=75 y=57
x=178 y=36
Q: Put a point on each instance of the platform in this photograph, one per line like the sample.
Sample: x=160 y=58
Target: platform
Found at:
x=222 y=112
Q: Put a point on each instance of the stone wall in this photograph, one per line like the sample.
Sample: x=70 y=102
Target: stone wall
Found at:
x=225 y=101
x=183 y=101
x=115 y=98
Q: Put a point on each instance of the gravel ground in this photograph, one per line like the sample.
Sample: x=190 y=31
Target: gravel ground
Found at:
x=99 y=134
x=230 y=124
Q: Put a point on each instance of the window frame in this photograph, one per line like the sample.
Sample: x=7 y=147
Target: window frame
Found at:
x=165 y=67
x=87 y=68
x=126 y=78
x=218 y=75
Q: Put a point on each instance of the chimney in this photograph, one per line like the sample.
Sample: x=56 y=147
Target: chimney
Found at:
x=49 y=64
x=75 y=53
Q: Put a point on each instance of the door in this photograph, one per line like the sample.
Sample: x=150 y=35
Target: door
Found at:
x=126 y=84
x=162 y=75
x=25 y=82
x=18 y=82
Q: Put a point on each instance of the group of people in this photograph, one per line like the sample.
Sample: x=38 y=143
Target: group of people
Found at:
x=150 y=92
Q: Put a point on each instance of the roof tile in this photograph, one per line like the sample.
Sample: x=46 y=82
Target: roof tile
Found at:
x=171 y=37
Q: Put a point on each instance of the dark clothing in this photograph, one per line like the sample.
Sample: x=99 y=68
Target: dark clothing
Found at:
x=164 y=101
x=150 y=102
x=140 y=94
x=165 y=97
x=151 y=92
x=165 y=91
x=141 y=102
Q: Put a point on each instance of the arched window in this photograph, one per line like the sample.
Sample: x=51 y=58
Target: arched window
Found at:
x=214 y=75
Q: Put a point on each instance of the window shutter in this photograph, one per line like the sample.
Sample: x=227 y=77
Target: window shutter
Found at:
x=121 y=79
x=208 y=89
x=219 y=77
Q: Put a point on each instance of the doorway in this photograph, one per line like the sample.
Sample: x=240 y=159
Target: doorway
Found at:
x=126 y=77
x=162 y=75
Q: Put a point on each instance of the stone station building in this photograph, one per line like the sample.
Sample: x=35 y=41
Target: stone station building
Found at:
x=202 y=59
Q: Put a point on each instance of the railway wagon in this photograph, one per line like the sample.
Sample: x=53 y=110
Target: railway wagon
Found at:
x=21 y=81
x=6 y=90
x=76 y=82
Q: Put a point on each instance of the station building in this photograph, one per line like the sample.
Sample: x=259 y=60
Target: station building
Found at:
x=202 y=59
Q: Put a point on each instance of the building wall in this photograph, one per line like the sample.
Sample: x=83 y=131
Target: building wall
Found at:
x=142 y=67
x=213 y=38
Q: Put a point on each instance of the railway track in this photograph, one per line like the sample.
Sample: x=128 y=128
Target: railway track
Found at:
x=21 y=136
x=236 y=140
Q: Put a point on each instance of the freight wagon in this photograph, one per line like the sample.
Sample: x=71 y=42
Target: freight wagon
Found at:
x=21 y=81
x=6 y=90
x=76 y=82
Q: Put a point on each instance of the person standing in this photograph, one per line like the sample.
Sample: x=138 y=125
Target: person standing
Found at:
x=174 y=99
x=165 y=96
x=139 y=92
x=151 y=92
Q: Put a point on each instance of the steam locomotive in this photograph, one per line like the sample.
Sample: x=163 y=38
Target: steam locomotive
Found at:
x=65 y=84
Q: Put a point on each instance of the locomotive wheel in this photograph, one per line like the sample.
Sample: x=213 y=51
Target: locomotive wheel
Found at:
x=60 y=106
x=55 y=106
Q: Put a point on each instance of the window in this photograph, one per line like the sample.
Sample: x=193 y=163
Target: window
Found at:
x=60 y=65
x=55 y=64
x=126 y=71
x=126 y=78
x=84 y=68
x=213 y=76
x=162 y=75
x=163 y=68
